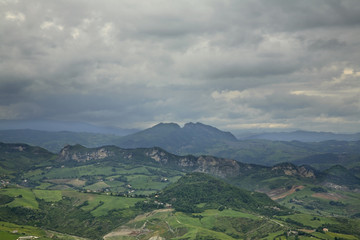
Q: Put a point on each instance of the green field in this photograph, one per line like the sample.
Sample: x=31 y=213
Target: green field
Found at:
x=323 y=203
x=209 y=224
x=23 y=197
x=213 y=224
x=102 y=178
x=100 y=205
x=10 y=231
x=47 y=195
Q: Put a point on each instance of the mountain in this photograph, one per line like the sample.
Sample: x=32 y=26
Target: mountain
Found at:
x=341 y=176
x=303 y=136
x=22 y=157
x=200 y=139
x=143 y=172
x=60 y=126
x=192 y=138
x=249 y=176
x=198 y=188
x=324 y=161
x=151 y=157
x=55 y=141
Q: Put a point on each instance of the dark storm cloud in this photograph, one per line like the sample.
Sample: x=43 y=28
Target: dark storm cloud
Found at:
x=228 y=63
x=331 y=44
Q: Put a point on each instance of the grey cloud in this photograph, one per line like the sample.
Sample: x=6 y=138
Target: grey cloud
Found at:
x=331 y=44
x=126 y=62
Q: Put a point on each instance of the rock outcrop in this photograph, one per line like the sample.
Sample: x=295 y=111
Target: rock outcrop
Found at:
x=293 y=170
x=79 y=153
x=221 y=167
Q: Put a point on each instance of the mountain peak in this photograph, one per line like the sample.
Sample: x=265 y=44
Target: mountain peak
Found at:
x=176 y=139
x=167 y=125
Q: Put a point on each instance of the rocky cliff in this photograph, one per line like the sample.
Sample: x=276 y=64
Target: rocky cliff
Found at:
x=79 y=153
x=207 y=164
x=221 y=167
x=293 y=170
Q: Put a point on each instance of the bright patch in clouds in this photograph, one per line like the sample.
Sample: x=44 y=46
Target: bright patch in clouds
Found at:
x=15 y=16
x=49 y=25
x=258 y=125
x=75 y=33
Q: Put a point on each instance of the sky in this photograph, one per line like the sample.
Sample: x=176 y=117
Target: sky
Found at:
x=235 y=65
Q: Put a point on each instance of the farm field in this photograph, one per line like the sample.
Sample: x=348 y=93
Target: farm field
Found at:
x=138 y=196
x=122 y=179
x=327 y=202
x=10 y=231
x=215 y=224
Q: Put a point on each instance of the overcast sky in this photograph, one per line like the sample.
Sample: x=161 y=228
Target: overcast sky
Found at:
x=227 y=63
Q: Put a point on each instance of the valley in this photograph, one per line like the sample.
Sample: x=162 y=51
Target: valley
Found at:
x=110 y=192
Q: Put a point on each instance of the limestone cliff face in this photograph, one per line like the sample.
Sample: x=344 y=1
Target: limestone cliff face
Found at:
x=81 y=154
x=157 y=155
x=217 y=166
x=220 y=167
x=207 y=164
x=186 y=162
x=292 y=170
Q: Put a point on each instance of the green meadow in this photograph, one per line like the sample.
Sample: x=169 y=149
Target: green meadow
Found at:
x=23 y=197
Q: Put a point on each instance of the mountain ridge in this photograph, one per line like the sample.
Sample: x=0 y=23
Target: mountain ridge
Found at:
x=193 y=137
x=200 y=139
x=304 y=136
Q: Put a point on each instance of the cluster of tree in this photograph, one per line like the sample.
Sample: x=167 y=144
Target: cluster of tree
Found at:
x=64 y=216
x=319 y=190
x=196 y=188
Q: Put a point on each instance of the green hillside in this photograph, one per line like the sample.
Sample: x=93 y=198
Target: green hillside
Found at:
x=148 y=192
x=196 y=192
x=20 y=157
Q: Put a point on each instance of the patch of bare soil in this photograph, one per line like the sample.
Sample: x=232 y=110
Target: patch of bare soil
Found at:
x=306 y=230
x=279 y=193
x=126 y=231
x=329 y=196
x=145 y=215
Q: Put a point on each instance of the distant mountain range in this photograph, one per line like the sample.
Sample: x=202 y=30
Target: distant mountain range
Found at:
x=304 y=136
x=23 y=157
x=62 y=126
x=200 y=139
x=55 y=141
x=192 y=138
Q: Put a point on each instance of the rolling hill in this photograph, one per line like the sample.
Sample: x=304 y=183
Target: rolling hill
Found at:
x=196 y=189
x=125 y=193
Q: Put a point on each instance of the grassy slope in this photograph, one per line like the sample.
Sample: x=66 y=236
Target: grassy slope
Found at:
x=330 y=203
x=226 y=224
x=208 y=224
x=67 y=211
x=11 y=231
x=196 y=188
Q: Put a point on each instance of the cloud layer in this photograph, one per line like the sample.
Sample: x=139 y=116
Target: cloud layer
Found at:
x=231 y=64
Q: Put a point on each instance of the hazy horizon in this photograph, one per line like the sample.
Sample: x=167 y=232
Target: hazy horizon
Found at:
x=58 y=126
